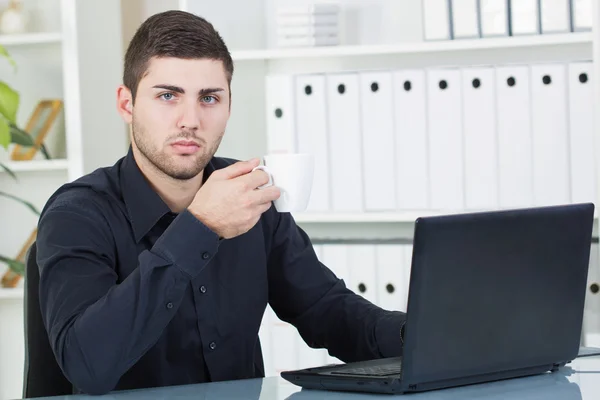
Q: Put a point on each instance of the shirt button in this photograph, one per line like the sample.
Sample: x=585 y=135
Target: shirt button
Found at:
x=212 y=345
x=205 y=256
x=169 y=305
x=203 y=289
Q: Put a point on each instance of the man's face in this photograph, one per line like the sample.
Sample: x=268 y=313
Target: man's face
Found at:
x=180 y=114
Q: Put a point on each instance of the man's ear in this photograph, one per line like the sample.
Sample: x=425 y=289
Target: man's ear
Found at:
x=125 y=103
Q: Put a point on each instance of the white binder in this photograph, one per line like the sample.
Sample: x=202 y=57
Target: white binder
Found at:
x=284 y=346
x=392 y=286
x=591 y=313
x=309 y=357
x=555 y=16
x=581 y=132
x=479 y=129
x=515 y=164
x=524 y=17
x=410 y=113
x=493 y=17
x=465 y=19
x=444 y=118
x=436 y=20
x=363 y=271
x=311 y=131
x=377 y=125
x=279 y=92
x=335 y=257
x=345 y=142
x=550 y=134
x=264 y=334
x=582 y=15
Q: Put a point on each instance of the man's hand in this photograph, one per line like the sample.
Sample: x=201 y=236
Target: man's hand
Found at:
x=229 y=202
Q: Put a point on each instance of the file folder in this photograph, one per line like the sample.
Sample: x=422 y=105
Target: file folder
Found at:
x=377 y=119
x=524 y=17
x=345 y=150
x=284 y=346
x=513 y=110
x=410 y=113
x=392 y=286
x=444 y=119
x=363 y=271
x=494 y=18
x=550 y=134
x=311 y=131
x=465 y=19
x=307 y=356
x=436 y=20
x=335 y=257
x=555 y=16
x=582 y=12
x=479 y=129
x=591 y=313
x=581 y=132
x=279 y=93
x=264 y=333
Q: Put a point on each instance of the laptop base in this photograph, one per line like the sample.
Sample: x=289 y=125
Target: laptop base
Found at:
x=327 y=378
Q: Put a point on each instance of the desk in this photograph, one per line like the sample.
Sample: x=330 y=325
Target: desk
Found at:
x=579 y=380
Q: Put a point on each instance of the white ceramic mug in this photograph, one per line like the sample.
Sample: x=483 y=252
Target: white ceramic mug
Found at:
x=293 y=174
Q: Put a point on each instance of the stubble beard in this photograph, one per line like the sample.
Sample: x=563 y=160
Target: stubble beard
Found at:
x=165 y=164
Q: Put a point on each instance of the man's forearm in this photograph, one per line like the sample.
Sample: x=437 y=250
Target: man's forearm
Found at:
x=351 y=328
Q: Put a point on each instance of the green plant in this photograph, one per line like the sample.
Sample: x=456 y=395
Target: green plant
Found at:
x=11 y=133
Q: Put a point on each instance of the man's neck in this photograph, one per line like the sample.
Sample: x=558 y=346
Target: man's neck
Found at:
x=176 y=194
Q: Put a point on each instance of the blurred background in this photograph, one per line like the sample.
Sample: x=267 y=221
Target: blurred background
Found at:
x=411 y=107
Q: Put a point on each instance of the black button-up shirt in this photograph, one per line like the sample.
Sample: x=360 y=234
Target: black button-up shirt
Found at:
x=133 y=295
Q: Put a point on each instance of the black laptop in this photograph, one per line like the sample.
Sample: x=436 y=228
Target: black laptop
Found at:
x=493 y=295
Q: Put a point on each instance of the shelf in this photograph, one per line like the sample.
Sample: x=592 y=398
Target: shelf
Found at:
x=36 y=165
x=406 y=217
x=11 y=294
x=30 y=38
x=417 y=47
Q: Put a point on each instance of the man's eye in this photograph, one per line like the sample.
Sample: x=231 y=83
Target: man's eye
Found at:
x=167 y=96
x=209 y=99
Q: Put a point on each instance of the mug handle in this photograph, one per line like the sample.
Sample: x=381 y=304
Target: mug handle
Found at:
x=265 y=169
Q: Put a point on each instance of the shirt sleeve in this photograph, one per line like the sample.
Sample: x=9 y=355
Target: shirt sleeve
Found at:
x=99 y=328
x=305 y=293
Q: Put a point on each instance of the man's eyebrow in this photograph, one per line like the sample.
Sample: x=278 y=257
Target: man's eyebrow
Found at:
x=177 y=89
x=207 y=91
x=172 y=88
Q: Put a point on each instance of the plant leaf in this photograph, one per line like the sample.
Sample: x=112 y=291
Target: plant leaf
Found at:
x=4 y=133
x=8 y=171
x=5 y=54
x=21 y=137
x=9 y=102
x=24 y=202
x=17 y=266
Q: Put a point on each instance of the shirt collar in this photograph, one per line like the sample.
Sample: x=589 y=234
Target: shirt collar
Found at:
x=144 y=205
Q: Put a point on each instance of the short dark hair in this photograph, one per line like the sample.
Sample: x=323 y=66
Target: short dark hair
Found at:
x=176 y=34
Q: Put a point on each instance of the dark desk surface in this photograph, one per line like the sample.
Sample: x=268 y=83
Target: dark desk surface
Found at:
x=579 y=380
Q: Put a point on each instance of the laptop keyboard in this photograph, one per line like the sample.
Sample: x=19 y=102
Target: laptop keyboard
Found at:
x=379 y=370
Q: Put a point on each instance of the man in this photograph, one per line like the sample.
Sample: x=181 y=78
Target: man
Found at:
x=157 y=271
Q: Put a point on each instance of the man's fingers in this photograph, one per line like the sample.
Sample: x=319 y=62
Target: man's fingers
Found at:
x=238 y=169
x=255 y=179
x=268 y=195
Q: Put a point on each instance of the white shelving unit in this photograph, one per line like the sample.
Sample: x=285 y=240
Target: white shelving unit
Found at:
x=37 y=165
x=25 y=39
x=67 y=63
x=553 y=42
x=73 y=53
x=11 y=294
